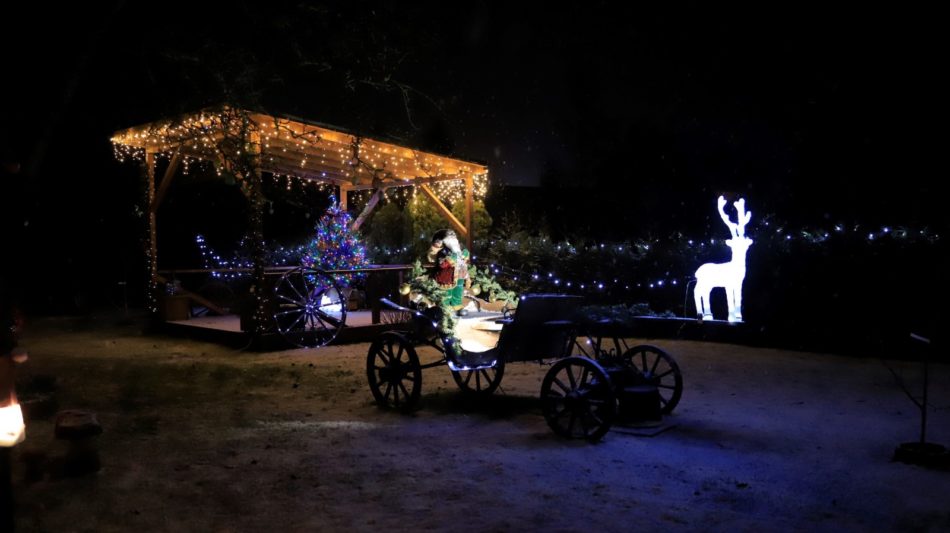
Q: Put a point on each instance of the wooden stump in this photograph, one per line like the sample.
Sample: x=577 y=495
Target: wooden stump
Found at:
x=79 y=430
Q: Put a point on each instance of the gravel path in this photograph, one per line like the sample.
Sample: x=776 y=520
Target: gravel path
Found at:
x=198 y=437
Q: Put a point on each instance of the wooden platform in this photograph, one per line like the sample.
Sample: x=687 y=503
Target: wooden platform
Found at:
x=226 y=329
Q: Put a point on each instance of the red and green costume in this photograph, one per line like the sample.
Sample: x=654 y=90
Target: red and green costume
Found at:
x=451 y=273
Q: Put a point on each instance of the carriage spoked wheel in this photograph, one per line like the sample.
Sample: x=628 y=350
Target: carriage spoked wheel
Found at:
x=310 y=307
x=656 y=367
x=577 y=399
x=394 y=372
x=481 y=382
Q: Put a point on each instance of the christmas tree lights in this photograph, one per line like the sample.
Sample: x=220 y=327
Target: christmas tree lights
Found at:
x=335 y=246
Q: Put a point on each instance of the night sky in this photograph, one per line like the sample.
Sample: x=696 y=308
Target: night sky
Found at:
x=814 y=113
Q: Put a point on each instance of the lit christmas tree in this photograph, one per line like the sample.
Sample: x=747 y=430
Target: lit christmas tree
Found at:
x=335 y=246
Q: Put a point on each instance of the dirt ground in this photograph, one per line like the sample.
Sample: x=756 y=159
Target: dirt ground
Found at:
x=200 y=437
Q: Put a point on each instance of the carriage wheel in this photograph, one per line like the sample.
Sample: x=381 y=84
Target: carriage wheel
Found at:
x=583 y=346
x=577 y=399
x=656 y=367
x=481 y=382
x=311 y=308
x=393 y=371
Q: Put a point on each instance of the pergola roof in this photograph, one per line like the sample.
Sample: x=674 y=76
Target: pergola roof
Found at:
x=295 y=147
x=248 y=143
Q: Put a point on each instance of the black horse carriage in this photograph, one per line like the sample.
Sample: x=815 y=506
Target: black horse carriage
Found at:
x=595 y=379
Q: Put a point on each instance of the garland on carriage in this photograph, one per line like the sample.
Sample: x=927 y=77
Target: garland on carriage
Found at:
x=447 y=276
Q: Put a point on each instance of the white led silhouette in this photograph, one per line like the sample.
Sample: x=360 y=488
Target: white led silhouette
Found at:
x=726 y=275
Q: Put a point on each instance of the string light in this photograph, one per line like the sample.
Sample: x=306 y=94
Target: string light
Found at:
x=333 y=247
x=223 y=268
x=562 y=252
x=292 y=149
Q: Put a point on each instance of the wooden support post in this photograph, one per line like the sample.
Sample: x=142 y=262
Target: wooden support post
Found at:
x=403 y=298
x=469 y=210
x=152 y=230
x=166 y=180
x=344 y=188
x=444 y=211
x=254 y=180
x=370 y=206
x=255 y=199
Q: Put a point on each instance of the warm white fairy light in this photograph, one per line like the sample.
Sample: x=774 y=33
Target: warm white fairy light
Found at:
x=319 y=154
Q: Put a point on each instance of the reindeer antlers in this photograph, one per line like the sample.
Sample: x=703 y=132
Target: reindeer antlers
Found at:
x=737 y=229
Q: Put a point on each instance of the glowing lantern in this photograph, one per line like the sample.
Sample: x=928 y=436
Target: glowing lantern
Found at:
x=330 y=303
x=12 y=428
x=726 y=275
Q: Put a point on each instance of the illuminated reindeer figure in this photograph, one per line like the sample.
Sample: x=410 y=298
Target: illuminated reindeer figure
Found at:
x=726 y=275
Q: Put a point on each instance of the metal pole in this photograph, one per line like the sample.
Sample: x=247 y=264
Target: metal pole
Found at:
x=923 y=404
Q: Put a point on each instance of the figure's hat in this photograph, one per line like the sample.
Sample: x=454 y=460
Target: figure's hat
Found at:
x=443 y=234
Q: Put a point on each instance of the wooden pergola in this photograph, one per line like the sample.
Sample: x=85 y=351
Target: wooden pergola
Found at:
x=247 y=144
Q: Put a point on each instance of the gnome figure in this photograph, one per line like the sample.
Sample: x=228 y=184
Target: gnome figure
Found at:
x=450 y=269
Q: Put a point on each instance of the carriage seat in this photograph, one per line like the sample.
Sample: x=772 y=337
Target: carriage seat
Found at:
x=538 y=330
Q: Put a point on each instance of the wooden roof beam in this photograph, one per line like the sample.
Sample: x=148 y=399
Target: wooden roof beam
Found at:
x=305 y=174
x=405 y=168
x=444 y=211
x=368 y=209
x=166 y=181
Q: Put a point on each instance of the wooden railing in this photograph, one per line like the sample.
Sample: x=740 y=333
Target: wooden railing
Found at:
x=375 y=288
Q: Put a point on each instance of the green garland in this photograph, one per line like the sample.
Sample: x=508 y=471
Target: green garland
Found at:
x=432 y=296
x=484 y=283
x=620 y=314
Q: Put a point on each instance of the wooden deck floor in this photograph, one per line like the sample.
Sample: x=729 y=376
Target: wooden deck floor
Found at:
x=226 y=329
